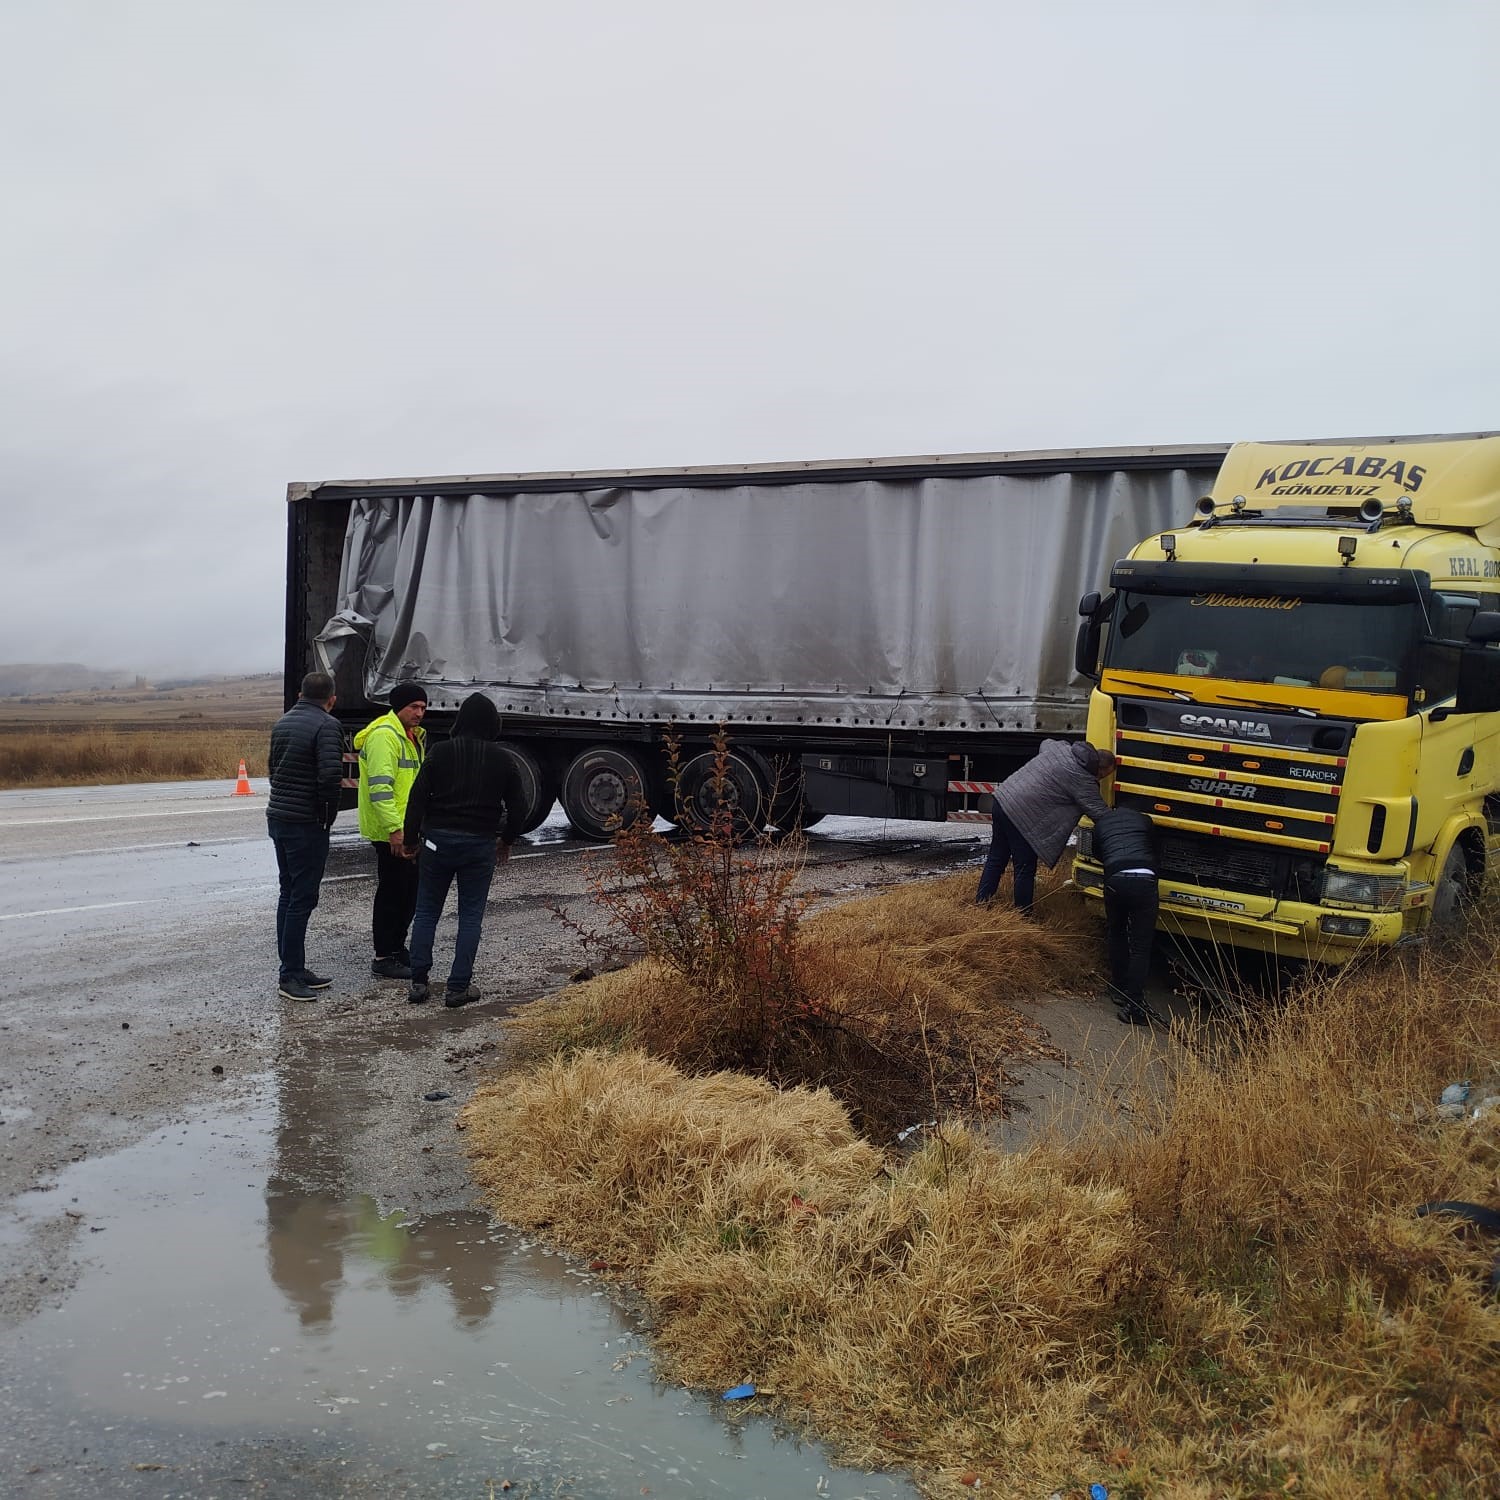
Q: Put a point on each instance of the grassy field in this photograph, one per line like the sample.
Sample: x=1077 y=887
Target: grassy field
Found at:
x=1221 y=1288
x=90 y=738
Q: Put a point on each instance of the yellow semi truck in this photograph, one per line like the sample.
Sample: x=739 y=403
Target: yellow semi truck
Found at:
x=1302 y=687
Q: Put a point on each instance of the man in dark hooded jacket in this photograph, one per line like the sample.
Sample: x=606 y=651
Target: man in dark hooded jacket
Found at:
x=1125 y=844
x=463 y=807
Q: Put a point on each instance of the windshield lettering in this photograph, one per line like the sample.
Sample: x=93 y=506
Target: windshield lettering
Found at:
x=1234 y=601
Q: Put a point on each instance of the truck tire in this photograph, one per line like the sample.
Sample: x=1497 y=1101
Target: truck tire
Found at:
x=744 y=792
x=539 y=788
x=1454 y=891
x=603 y=791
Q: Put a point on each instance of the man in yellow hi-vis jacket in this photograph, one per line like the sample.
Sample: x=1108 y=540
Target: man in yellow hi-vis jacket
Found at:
x=390 y=754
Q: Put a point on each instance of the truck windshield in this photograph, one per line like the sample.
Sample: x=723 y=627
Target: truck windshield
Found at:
x=1293 y=642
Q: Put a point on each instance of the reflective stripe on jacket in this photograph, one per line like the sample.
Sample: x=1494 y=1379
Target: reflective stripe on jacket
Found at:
x=388 y=764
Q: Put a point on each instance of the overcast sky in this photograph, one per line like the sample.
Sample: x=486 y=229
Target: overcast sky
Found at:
x=258 y=241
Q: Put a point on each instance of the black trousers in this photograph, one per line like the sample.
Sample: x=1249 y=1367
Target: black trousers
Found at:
x=1007 y=846
x=1130 y=903
x=395 y=901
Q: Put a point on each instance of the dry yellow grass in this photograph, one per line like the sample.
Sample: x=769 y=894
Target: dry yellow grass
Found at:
x=1224 y=1290
x=74 y=756
x=909 y=989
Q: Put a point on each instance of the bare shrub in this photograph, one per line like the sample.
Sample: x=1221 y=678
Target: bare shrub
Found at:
x=720 y=913
x=895 y=1002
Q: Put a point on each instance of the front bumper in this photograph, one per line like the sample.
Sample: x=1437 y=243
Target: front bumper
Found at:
x=1283 y=929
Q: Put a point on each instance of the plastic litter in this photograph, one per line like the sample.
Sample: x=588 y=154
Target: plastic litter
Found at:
x=739 y=1392
x=1098 y=1492
x=1454 y=1097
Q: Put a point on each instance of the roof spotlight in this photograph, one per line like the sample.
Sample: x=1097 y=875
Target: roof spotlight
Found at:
x=1237 y=504
x=1169 y=543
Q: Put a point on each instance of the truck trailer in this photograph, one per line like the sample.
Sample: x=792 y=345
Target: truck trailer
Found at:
x=882 y=638
x=1302 y=690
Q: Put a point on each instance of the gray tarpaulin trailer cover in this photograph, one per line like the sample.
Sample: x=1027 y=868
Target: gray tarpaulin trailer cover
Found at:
x=884 y=637
x=941 y=600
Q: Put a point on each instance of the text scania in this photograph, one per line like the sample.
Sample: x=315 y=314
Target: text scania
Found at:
x=1246 y=729
x=1353 y=466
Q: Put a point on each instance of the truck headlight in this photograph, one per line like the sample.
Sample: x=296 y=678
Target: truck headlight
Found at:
x=1351 y=888
x=1345 y=926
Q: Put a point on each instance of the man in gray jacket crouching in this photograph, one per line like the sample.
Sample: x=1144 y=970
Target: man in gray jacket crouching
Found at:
x=1036 y=810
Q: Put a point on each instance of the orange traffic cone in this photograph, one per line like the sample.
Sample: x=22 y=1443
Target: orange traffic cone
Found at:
x=242 y=786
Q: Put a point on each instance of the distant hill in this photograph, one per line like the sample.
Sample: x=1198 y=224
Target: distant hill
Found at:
x=34 y=695
x=19 y=679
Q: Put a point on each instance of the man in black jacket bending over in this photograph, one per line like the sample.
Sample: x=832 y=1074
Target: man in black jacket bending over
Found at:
x=1125 y=843
x=463 y=806
x=307 y=764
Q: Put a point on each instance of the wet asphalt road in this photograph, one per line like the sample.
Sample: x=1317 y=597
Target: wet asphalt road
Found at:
x=271 y=1278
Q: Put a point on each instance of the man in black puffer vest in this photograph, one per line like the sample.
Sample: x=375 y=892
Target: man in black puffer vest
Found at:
x=307 y=764
x=1125 y=844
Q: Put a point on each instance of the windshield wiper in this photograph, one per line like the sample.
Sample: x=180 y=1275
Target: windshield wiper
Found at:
x=1156 y=687
x=1245 y=702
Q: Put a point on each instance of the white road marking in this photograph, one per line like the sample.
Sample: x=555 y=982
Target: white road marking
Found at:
x=62 y=911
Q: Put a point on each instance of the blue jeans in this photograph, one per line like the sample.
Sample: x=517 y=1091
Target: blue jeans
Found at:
x=301 y=854
x=470 y=858
x=1007 y=845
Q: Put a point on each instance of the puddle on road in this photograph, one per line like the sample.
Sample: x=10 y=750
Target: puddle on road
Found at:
x=251 y=1332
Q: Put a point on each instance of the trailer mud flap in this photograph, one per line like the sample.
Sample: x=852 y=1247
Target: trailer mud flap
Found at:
x=878 y=786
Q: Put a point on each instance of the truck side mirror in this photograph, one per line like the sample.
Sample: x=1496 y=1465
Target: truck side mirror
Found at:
x=1088 y=605
x=1086 y=650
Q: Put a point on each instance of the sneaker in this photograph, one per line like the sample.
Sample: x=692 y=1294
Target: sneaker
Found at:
x=1134 y=1015
x=295 y=989
x=314 y=981
x=390 y=968
x=417 y=994
x=467 y=995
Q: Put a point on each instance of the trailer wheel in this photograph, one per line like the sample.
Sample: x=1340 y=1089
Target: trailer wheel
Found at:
x=701 y=797
x=538 y=786
x=603 y=791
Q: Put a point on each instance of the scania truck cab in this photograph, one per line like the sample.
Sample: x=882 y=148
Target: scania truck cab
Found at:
x=1302 y=689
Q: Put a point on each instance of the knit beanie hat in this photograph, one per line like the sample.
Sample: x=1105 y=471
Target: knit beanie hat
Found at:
x=407 y=692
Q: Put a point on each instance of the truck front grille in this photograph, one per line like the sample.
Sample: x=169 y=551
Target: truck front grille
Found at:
x=1277 y=795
